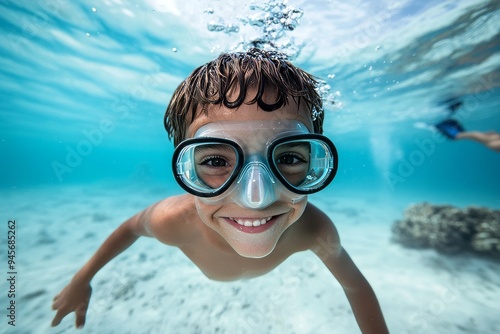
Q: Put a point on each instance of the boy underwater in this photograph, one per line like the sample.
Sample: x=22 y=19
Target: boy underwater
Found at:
x=247 y=129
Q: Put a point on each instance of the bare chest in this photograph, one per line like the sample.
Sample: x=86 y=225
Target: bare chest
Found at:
x=228 y=266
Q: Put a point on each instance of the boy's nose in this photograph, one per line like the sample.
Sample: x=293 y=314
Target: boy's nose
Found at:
x=258 y=187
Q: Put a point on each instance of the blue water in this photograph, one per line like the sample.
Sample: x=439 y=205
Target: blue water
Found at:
x=84 y=87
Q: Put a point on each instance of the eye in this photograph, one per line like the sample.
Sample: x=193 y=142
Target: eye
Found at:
x=290 y=159
x=214 y=171
x=214 y=162
x=292 y=166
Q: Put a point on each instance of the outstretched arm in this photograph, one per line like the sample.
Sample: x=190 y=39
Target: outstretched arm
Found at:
x=359 y=293
x=75 y=296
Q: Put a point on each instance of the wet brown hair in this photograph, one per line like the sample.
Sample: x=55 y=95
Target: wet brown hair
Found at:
x=212 y=83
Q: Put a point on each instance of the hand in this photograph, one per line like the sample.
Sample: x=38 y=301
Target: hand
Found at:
x=74 y=297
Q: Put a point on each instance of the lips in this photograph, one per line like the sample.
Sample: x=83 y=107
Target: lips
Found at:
x=252 y=225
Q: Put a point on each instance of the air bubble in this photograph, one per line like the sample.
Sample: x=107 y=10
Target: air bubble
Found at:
x=272 y=20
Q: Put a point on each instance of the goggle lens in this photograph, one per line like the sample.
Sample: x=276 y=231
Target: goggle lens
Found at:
x=215 y=163
x=206 y=167
x=304 y=163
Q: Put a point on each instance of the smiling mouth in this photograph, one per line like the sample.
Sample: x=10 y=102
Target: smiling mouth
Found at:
x=253 y=225
x=251 y=222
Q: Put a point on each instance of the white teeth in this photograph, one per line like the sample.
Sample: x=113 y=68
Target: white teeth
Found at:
x=256 y=222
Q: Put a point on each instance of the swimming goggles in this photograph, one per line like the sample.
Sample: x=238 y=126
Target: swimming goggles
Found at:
x=254 y=163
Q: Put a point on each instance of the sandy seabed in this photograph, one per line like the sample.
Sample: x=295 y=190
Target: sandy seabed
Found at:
x=153 y=288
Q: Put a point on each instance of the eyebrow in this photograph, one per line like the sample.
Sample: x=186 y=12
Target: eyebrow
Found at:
x=295 y=145
x=215 y=147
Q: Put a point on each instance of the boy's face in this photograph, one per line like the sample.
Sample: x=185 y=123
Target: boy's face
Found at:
x=227 y=217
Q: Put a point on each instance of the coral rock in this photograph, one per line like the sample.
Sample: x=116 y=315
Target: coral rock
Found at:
x=449 y=229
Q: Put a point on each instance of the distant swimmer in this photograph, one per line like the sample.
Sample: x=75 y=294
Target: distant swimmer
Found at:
x=452 y=129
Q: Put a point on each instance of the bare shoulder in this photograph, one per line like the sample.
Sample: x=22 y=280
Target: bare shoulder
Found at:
x=171 y=220
x=319 y=231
